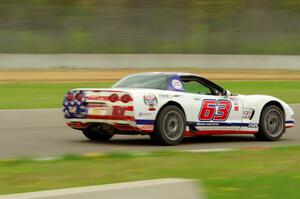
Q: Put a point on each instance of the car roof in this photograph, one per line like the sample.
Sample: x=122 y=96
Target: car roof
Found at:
x=166 y=73
x=180 y=74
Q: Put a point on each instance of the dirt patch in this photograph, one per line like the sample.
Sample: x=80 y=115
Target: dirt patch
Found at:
x=92 y=75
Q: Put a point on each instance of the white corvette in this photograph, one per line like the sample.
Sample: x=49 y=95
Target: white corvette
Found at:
x=171 y=106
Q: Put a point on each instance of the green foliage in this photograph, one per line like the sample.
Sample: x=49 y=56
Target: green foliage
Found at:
x=38 y=95
x=140 y=26
x=265 y=173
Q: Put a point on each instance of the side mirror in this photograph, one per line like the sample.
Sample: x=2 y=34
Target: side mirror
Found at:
x=226 y=93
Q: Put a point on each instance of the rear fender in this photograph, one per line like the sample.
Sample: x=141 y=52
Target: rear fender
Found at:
x=148 y=104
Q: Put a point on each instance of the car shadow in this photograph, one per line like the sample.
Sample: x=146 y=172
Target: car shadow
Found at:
x=219 y=139
x=146 y=141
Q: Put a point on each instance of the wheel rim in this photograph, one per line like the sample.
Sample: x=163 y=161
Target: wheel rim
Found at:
x=273 y=122
x=173 y=125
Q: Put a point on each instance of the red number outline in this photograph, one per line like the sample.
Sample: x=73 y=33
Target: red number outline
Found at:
x=223 y=110
x=208 y=110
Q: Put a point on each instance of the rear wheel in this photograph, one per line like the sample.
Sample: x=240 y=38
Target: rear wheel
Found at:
x=95 y=133
x=271 y=124
x=170 y=126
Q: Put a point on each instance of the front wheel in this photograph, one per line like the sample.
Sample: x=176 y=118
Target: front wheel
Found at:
x=170 y=126
x=96 y=134
x=271 y=124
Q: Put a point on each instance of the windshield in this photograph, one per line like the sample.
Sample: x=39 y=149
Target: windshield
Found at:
x=157 y=81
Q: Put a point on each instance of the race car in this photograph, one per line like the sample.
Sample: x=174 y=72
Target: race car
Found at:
x=171 y=106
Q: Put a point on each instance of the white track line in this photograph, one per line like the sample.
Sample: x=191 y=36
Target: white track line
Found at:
x=210 y=150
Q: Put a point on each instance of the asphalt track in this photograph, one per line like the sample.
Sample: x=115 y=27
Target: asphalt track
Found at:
x=42 y=132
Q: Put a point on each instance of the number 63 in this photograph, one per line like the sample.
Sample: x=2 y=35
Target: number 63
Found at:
x=209 y=112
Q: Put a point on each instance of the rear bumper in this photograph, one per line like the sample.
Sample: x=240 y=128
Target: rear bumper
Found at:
x=116 y=123
x=87 y=121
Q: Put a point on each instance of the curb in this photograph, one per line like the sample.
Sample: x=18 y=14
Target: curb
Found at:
x=158 y=188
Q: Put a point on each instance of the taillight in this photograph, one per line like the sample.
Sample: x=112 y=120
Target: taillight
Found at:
x=113 y=98
x=126 y=98
x=79 y=97
x=70 y=97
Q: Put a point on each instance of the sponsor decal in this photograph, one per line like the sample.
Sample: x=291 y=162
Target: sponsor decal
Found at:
x=207 y=124
x=177 y=84
x=91 y=105
x=97 y=97
x=252 y=125
x=168 y=96
x=236 y=108
x=247 y=114
x=144 y=114
x=164 y=96
x=146 y=127
x=150 y=100
x=235 y=103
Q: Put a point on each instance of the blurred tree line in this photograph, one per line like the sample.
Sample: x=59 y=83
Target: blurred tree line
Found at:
x=156 y=26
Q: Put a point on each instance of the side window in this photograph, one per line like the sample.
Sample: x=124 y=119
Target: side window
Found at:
x=197 y=88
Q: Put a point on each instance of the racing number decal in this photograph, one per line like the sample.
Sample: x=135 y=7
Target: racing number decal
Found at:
x=223 y=111
x=209 y=112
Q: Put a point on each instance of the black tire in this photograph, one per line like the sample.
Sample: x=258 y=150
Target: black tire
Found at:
x=170 y=126
x=96 y=134
x=271 y=124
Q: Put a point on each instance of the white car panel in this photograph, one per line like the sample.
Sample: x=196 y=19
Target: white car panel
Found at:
x=243 y=110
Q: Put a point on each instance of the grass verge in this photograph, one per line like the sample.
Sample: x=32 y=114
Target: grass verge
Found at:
x=268 y=173
x=50 y=95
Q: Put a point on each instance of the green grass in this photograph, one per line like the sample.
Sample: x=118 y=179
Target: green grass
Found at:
x=50 y=95
x=288 y=91
x=38 y=95
x=271 y=173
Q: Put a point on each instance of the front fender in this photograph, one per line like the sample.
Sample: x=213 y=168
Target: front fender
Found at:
x=258 y=102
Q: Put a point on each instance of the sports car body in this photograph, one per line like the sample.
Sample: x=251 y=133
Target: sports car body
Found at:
x=171 y=106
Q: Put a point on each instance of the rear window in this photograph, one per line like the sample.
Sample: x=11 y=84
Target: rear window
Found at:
x=158 y=81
